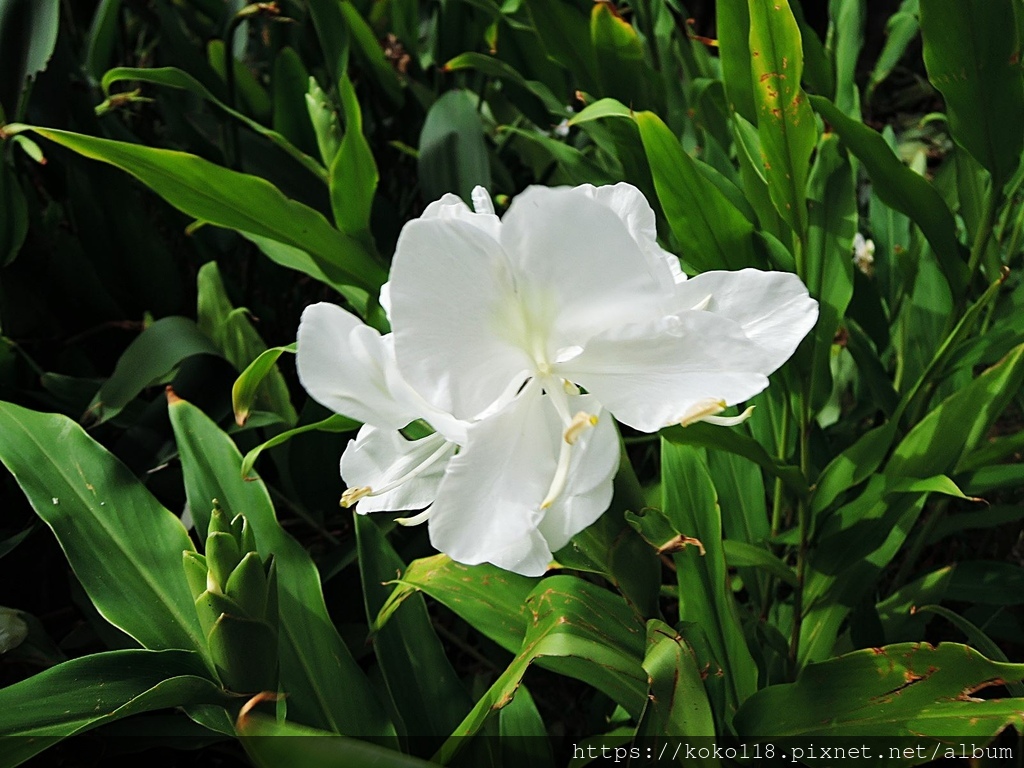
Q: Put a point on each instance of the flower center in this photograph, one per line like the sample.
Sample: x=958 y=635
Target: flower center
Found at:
x=558 y=389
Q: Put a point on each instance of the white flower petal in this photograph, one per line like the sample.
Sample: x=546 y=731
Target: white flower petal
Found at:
x=451 y=299
x=451 y=208
x=650 y=375
x=629 y=204
x=378 y=457
x=488 y=506
x=348 y=367
x=577 y=267
x=588 y=490
x=773 y=309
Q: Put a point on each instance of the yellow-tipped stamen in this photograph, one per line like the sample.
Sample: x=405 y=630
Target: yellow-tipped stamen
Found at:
x=422 y=517
x=580 y=423
x=701 y=410
x=352 y=495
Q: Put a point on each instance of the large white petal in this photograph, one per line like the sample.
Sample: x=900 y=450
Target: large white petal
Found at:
x=773 y=308
x=629 y=204
x=453 y=314
x=577 y=267
x=650 y=375
x=378 y=457
x=588 y=491
x=348 y=367
x=488 y=506
x=451 y=208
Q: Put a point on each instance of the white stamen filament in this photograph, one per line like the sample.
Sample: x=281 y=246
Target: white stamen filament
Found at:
x=730 y=421
x=352 y=495
x=701 y=410
x=580 y=423
x=422 y=517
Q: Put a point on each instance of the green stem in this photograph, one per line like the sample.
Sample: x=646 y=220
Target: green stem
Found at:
x=804 y=521
x=919 y=543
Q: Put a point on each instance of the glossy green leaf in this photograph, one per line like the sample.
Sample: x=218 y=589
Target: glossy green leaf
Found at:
x=124 y=547
x=224 y=198
x=972 y=53
x=453 y=155
x=28 y=36
x=691 y=504
x=425 y=689
x=714 y=234
x=619 y=54
x=244 y=390
x=488 y=598
x=911 y=690
x=171 y=77
x=677 y=704
x=978 y=639
x=366 y=46
x=333 y=423
x=151 y=356
x=274 y=743
x=495 y=67
x=353 y=177
x=324 y=684
x=739 y=554
x=901 y=28
x=785 y=121
x=234 y=334
x=846 y=36
x=524 y=738
x=832 y=224
x=84 y=693
x=734 y=441
x=564 y=31
x=899 y=187
x=576 y=628
x=734 y=53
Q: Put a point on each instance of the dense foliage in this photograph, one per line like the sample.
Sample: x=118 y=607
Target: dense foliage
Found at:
x=180 y=178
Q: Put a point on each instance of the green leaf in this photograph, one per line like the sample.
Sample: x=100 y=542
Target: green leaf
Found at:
x=371 y=51
x=151 y=356
x=172 y=77
x=225 y=198
x=938 y=443
x=13 y=215
x=84 y=693
x=734 y=53
x=714 y=234
x=832 y=224
x=785 y=121
x=495 y=67
x=911 y=690
x=489 y=599
x=243 y=391
x=972 y=54
x=28 y=36
x=691 y=504
x=453 y=155
x=677 y=703
x=619 y=53
x=578 y=629
x=324 y=684
x=353 y=177
x=524 y=738
x=233 y=332
x=424 y=687
x=899 y=187
x=122 y=545
x=333 y=423
x=564 y=31
x=901 y=28
x=311 y=748
x=734 y=441
x=846 y=36
x=739 y=554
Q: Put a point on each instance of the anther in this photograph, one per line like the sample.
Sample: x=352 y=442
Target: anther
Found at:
x=580 y=423
x=352 y=495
